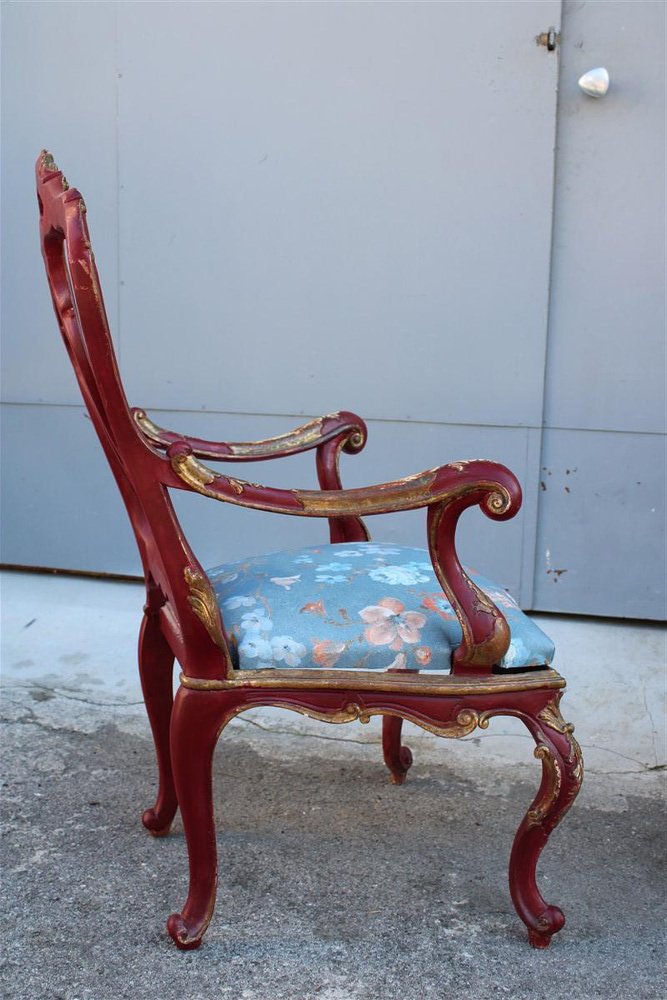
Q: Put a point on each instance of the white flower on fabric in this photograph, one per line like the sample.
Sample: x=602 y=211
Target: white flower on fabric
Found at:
x=517 y=655
x=224 y=578
x=254 y=647
x=256 y=621
x=330 y=578
x=349 y=554
x=232 y=603
x=503 y=598
x=423 y=566
x=286 y=581
x=304 y=559
x=397 y=575
x=334 y=568
x=284 y=647
x=380 y=550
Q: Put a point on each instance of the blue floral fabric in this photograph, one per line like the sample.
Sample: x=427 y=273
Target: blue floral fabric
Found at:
x=354 y=606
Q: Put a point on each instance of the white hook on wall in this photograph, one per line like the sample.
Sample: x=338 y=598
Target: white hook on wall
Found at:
x=595 y=82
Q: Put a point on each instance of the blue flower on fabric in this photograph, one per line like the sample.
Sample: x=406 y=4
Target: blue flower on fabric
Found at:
x=303 y=558
x=232 y=603
x=380 y=550
x=404 y=576
x=334 y=568
x=349 y=554
x=330 y=578
x=256 y=621
x=284 y=647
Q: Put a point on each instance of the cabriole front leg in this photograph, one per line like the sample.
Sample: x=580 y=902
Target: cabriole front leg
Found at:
x=562 y=774
x=197 y=719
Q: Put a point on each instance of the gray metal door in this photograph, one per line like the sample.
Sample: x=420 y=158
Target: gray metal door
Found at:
x=601 y=542
x=296 y=208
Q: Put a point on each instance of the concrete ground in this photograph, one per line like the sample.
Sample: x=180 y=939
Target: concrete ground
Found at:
x=334 y=884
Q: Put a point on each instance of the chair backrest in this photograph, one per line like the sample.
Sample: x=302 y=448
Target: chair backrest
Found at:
x=175 y=582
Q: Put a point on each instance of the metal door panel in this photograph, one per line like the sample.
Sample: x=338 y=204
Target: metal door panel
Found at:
x=79 y=522
x=326 y=201
x=58 y=92
x=601 y=534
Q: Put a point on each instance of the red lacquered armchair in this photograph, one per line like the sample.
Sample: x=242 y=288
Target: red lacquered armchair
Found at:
x=339 y=632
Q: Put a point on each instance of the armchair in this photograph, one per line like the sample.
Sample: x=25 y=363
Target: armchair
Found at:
x=339 y=632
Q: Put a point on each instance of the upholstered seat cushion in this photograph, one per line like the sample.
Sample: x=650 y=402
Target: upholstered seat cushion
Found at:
x=356 y=606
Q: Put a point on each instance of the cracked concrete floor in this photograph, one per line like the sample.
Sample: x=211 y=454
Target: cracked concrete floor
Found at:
x=334 y=885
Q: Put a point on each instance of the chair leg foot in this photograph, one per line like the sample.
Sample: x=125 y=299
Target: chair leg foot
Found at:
x=398 y=758
x=197 y=720
x=562 y=774
x=185 y=937
x=156 y=663
x=552 y=920
x=157 y=823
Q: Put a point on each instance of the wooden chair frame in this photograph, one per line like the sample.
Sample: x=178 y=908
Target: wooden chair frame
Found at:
x=182 y=620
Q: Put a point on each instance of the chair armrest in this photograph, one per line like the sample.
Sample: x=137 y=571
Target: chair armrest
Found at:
x=447 y=491
x=311 y=435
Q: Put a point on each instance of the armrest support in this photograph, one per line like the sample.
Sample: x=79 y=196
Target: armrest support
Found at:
x=314 y=434
x=330 y=435
x=447 y=491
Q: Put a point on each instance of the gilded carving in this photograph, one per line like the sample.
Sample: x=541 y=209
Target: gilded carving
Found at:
x=356 y=440
x=436 y=684
x=552 y=785
x=404 y=494
x=48 y=163
x=465 y=721
x=236 y=484
x=152 y=430
x=551 y=717
x=202 y=601
x=304 y=435
x=195 y=474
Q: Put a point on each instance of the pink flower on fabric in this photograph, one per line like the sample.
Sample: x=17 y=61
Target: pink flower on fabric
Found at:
x=326 y=652
x=389 y=624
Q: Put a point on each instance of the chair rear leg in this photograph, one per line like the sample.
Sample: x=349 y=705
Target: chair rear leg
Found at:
x=156 y=662
x=562 y=774
x=397 y=758
x=197 y=720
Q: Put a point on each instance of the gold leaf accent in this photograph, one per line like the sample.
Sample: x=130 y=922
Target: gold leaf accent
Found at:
x=403 y=494
x=203 y=603
x=464 y=723
x=48 y=163
x=330 y=680
x=551 y=717
x=460 y=466
x=236 y=484
x=152 y=430
x=195 y=474
x=293 y=439
x=554 y=780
